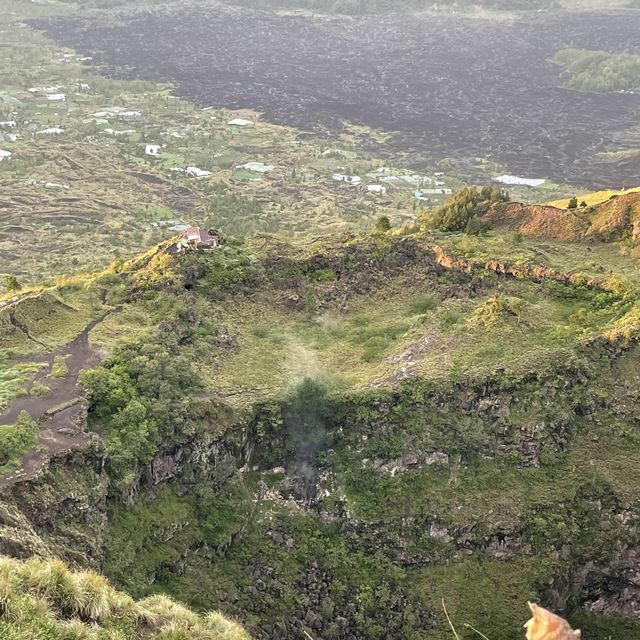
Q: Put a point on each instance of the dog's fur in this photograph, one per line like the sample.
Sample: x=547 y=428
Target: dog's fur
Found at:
x=548 y=626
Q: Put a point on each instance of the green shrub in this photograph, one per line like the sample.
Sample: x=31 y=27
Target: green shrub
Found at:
x=456 y=212
x=44 y=599
x=39 y=390
x=16 y=440
x=374 y=338
x=323 y=275
x=423 y=303
x=477 y=226
x=59 y=368
x=383 y=224
x=600 y=71
x=12 y=285
x=499 y=309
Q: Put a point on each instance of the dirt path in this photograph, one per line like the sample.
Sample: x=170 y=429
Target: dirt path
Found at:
x=60 y=412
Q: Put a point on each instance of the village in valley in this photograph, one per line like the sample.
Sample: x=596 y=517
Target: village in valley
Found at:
x=122 y=165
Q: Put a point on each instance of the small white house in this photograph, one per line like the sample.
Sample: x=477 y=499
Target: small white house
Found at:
x=517 y=180
x=239 y=122
x=114 y=132
x=52 y=131
x=352 y=180
x=4 y=155
x=43 y=89
x=195 y=172
x=7 y=123
x=54 y=185
x=258 y=167
x=414 y=179
x=56 y=97
x=152 y=149
x=114 y=112
x=377 y=188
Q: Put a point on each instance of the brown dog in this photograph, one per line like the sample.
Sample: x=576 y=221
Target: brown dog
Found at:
x=548 y=626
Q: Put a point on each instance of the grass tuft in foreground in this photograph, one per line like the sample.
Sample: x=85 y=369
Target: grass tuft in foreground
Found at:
x=44 y=599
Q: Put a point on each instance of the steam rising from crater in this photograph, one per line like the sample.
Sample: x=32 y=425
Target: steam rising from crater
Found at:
x=307 y=416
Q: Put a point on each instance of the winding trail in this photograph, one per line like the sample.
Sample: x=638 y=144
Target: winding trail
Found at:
x=61 y=412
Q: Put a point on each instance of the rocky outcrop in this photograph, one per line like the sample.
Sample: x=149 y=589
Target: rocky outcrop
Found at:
x=535 y=273
x=325 y=612
x=409 y=460
x=62 y=511
x=612 y=220
x=539 y=220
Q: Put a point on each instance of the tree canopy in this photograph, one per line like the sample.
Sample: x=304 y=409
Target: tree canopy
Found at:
x=455 y=213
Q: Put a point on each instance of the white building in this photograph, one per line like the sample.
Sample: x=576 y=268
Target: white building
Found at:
x=115 y=112
x=4 y=155
x=352 y=180
x=114 y=132
x=51 y=131
x=57 y=97
x=195 y=172
x=152 y=149
x=7 y=123
x=239 y=122
x=258 y=167
x=377 y=188
x=517 y=180
x=415 y=179
x=54 y=185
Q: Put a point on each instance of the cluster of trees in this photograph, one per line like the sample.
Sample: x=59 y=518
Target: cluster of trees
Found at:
x=12 y=285
x=139 y=395
x=460 y=211
x=573 y=203
x=600 y=71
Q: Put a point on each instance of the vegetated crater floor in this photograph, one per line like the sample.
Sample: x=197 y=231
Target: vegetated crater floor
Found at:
x=443 y=86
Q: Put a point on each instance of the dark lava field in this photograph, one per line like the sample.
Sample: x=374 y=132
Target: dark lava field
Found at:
x=444 y=86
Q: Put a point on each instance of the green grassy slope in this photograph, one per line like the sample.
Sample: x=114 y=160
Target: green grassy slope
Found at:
x=506 y=380
x=462 y=427
x=45 y=599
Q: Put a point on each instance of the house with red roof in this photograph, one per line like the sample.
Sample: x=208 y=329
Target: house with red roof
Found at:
x=198 y=238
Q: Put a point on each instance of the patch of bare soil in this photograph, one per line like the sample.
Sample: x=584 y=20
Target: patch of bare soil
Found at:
x=445 y=87
x=61 y=413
